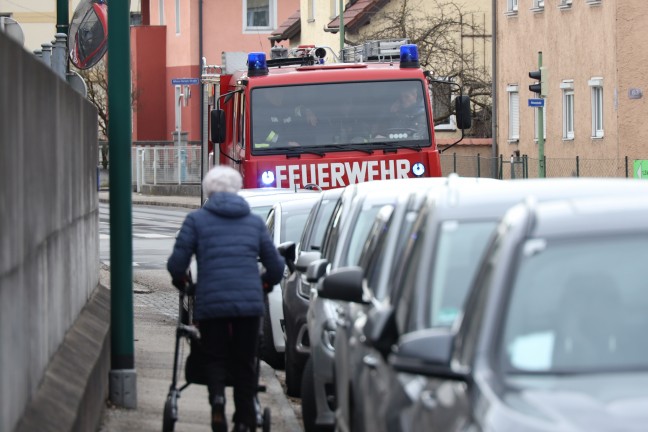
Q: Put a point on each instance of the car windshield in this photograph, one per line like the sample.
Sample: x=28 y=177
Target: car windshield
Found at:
x=578 y=306
x=261 y=210
x=460 y=247
x=292 y=224
x=339 y=117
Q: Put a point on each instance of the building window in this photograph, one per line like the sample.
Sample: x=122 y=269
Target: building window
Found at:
x=511 y=7
x=536 y=120
x=567 y=87
x=442 y=106
x=177 y=16
x=335 y=8
x=537 y=6
x=514 y=113
x=259 y=14
x=161 y=11
x=596 y=84
x=311 y=10
x=564 y=4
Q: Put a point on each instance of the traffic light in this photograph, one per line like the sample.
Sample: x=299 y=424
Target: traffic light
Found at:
x=540 y=86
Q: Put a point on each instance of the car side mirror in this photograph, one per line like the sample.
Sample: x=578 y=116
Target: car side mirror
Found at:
x=345 y=284
x=462 y=109
x=426 y=352
x=316 y=270
x=218 y=127
x=287 y=250
x=304 y=260
x=380 y=329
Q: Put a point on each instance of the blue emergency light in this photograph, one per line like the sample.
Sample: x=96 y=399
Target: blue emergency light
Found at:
x=409 y=57
x=257 y=64
x=267 y=178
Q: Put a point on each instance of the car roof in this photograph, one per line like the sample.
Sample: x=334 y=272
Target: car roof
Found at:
x=491 y=200
x=306 y=202
x=270 y=196
x=584 y=216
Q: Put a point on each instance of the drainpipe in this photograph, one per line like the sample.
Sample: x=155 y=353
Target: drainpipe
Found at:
x=494 y=87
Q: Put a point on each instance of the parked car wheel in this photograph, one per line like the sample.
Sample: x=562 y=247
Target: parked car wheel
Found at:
x=268 y=353
x=309 y=409
x=293 y=372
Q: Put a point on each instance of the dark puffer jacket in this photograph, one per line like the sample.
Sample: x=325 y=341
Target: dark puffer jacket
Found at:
x=226 y=239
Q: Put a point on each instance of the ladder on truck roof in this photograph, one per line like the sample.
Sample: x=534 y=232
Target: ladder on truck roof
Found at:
x=384 y=50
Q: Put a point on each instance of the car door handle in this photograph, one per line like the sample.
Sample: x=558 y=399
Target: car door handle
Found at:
x=370 y=361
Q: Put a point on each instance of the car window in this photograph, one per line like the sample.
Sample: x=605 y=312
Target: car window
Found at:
x=270 y=222
x=373 y=250
x=404 y=301
x=261 y=211
x=322 y=217
x=359 y=233
x=332 y=232
x=459 y=248
x=578 y=305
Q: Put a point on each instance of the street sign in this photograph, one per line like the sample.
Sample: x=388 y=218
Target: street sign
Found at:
x=185 y=81
x=640 y=169
x=536 y=102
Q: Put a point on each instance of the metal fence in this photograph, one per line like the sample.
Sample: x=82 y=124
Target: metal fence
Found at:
x=527 y=167
x=166 y=165
x=169 y=164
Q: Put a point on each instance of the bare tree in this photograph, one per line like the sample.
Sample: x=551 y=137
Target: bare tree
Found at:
x=444 y=32
x=96 y=79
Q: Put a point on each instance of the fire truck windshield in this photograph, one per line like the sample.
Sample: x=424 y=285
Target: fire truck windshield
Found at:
x=336 y=117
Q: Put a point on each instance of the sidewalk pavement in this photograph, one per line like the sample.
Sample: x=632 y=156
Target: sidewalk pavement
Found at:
x=154 y=334
x=192 y=202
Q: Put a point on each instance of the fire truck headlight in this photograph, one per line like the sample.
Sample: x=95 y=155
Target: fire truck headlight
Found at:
x=257 y=64
x=409 y=56
x=267 y=178
x=418 y=169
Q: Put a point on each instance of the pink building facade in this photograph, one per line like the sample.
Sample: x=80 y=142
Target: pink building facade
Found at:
x=227 y=26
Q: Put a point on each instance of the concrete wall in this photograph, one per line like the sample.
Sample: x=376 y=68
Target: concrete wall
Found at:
x=49 y=248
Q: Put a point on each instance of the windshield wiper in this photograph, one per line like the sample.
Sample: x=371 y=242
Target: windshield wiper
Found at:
x=395 y=145
x=297 y=151
x=352 y=147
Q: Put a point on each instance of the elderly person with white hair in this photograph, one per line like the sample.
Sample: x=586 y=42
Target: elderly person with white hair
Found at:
x=228 y=240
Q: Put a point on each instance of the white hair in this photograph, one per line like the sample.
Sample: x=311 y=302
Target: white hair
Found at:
x=222 y=179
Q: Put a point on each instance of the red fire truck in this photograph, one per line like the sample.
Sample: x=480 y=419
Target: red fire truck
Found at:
x=292 y=120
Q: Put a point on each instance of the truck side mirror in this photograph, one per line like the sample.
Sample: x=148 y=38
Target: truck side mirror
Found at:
x=462 y=108
x=217 y=126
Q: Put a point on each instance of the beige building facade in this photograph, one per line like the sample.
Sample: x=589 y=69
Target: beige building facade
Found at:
x=595 y=63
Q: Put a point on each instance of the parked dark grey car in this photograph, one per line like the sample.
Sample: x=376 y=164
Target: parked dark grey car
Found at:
x=553 y=333
x=429 y=287
x=296 y=290
x=285 y=222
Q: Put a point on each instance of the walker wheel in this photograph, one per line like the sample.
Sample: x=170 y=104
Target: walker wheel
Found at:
x=266 y=420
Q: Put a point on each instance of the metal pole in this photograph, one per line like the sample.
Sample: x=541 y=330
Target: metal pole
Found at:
x=341 y=28
x=62 y=26
x=122 y=383
x=541 y=160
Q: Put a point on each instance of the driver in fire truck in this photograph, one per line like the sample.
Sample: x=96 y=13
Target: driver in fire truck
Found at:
x=281 y=122
x=407 y=111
